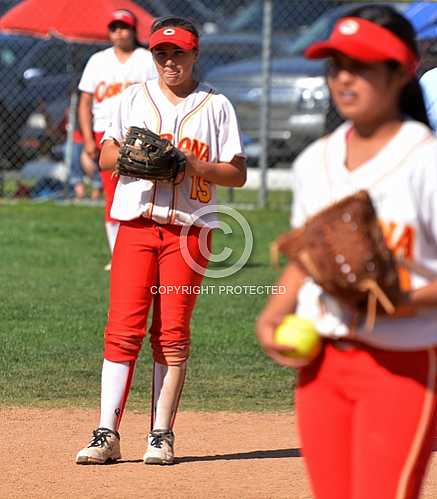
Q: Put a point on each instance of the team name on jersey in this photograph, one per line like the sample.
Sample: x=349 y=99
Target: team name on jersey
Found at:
x=200 y=188
x=400 y=239
x=107 y=90
x=198 y=148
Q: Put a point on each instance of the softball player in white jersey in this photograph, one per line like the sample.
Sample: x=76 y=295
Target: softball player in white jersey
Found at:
x=106 y=75
x=376 y=389
x=148 y=251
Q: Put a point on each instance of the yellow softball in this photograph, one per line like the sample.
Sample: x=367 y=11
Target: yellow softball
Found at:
x=300 y=335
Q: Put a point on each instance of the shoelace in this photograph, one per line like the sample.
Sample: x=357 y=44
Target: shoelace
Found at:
x=100 y=438
x=158 y=439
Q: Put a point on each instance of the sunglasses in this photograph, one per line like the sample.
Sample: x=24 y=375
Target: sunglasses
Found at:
x=118 y=25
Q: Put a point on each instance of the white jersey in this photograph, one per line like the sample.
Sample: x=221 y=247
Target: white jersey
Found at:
x=204 y=122
x=106 y=77
x=402 y=182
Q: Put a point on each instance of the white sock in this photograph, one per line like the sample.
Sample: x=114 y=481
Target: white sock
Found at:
x=168 y=384
x=115 y=377
x=111 y=234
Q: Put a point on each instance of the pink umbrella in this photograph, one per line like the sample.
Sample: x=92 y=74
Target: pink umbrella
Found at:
x=75 y=20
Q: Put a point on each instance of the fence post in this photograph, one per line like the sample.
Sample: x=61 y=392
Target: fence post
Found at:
x=2 y=180
x=71 y=125
x=265 y=101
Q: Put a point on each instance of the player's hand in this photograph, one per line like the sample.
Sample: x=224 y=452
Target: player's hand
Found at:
x=192 y=162
x=405 y=307
x=180 y=177
x=91 y=149
x=265 y=329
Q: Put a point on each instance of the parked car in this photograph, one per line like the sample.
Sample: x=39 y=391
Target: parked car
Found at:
x=224 y=48
x=287 y=17
x=299 y=97
x=45 y=128
x=34 y=72
x=5 y=5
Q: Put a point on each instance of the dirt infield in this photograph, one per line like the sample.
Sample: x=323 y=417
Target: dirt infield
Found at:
x=220 y=455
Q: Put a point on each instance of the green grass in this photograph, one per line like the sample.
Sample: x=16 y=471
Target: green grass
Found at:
x=53 y=304
x=276 y=200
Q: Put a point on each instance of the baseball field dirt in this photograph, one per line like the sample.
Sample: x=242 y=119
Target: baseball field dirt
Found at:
x=220 y=455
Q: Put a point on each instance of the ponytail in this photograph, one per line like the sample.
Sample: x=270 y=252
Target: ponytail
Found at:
x=412 y=102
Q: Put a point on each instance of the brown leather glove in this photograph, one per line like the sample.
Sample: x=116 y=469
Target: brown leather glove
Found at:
x=343 y=249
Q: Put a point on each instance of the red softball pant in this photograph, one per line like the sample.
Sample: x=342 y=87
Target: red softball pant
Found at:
x=147 y=265
x=109 y=182
x=366 y=419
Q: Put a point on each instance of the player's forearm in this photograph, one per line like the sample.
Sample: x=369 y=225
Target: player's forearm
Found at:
x=109 y=155
x=231 y=174
x=425 y=296
x=86 y=119
x=86 y=129
x=285 y=302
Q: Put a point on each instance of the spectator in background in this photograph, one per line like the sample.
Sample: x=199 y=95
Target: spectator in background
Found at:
x=83 y=166
x=429 y=88
x=105 y=76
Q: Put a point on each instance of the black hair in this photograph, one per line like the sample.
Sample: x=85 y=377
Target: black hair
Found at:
x=411 y=100
x=174 y=22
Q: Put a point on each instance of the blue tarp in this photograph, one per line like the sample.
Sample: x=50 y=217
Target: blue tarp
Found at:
x=423 y=16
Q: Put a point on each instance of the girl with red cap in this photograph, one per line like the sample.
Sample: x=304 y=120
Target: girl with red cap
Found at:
x=159 y=224
x=367 y=405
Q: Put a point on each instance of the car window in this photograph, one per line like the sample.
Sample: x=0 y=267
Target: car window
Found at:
x=50 y=58
x=215 y=55
x=227 y=47
x=320 y=30
x=55 y=57
x=286 y=18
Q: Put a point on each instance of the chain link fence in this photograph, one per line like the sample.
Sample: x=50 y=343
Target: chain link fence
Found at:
x=251 y=50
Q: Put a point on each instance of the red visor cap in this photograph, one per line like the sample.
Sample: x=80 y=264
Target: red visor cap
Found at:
x=365 y=41
x=177 y=36
x=123 y=16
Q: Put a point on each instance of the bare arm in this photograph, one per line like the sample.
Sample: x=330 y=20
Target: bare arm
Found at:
x=232 y=174
x=277 y=307
x=86 y=123
x=109 y=155
x=424 y=297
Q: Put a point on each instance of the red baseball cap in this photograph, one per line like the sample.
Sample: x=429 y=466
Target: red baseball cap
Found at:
x=180 y=37
x=123 y=16
x=365 y=41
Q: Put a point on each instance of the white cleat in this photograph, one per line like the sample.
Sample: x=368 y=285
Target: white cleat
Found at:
x=160 y=447
x=104 y=447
